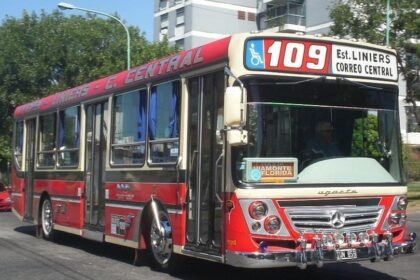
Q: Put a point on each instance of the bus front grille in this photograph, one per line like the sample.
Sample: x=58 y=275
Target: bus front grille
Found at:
x=337 y=218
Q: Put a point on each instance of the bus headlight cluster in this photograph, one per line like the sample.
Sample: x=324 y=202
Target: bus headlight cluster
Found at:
x=339 y=238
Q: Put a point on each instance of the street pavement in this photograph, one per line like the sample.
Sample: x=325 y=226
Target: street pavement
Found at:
x=24 y=257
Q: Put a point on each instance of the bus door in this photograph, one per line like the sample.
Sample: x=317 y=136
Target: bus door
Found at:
x=205 y=163
x=96 y=131
x=29 y=168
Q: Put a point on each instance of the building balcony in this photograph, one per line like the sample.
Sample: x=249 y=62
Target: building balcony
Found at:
x=286 y=23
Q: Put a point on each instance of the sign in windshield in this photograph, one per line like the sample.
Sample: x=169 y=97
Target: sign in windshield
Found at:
x=326 y=58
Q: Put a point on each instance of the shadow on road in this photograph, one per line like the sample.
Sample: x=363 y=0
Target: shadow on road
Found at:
x=199 y=269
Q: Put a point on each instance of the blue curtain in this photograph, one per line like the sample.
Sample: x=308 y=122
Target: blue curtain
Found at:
x=61 y=132
x=173 y=119
x=141 y=123
x=153 y=114
x=77 y=136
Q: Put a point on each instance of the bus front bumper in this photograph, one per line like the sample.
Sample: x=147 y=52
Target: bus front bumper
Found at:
x=319 y=256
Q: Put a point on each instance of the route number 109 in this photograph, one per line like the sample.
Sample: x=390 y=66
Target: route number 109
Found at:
x=303 y=56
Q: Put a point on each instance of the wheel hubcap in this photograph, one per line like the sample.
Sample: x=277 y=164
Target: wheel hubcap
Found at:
x=47 y=217
x=161 y=239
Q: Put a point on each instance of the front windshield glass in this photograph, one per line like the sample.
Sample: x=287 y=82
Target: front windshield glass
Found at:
x=317 y=132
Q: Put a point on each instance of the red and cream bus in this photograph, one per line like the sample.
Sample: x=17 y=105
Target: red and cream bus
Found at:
x=257 y=150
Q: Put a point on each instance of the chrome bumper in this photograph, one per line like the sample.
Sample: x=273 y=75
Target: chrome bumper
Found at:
x=302 y=258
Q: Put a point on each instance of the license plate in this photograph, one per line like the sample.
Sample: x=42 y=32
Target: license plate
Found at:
x=346 y=254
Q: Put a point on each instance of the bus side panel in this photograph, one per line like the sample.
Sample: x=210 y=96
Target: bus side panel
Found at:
x=127 y=201
x=122 y=222
x=65 y=198
x=18 y=195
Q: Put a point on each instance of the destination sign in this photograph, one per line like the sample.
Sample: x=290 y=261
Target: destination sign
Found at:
x=318 y=57
x=270 y=170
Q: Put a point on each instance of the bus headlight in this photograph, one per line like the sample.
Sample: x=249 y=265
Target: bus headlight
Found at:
x=272 y=224
x=257 y=210
x=402 y=203
x=394 y=218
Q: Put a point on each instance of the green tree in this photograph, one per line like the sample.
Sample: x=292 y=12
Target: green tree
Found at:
x=47 y=53
x=366 y=137
x=366 y=19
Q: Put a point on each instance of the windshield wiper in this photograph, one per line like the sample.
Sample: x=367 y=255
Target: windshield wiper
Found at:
x=322 y=78
x=339 y=79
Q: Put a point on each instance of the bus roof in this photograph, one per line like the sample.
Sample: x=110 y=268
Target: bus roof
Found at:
x=173 y=65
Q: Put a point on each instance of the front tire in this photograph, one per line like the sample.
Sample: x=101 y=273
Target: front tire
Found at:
x=161 y=243
x=47 y=225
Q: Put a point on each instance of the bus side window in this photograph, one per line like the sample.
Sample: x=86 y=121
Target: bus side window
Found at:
x=47 y=137
x=69 y=137
x=164 y=115
x=129 y=128
x=18 y=144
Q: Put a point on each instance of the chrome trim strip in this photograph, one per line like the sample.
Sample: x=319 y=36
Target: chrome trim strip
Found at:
x=124 y=206
x=71 y=200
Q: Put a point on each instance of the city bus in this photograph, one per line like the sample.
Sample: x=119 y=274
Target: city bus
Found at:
x=257 y=150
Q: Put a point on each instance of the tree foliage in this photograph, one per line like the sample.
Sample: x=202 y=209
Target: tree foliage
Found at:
x=366 y=137
x=47 y=53
x=366 y=19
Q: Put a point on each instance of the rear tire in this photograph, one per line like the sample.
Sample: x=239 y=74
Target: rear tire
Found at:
x=47 y=225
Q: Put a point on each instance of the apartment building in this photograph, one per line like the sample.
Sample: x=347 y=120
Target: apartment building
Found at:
x=190 y=23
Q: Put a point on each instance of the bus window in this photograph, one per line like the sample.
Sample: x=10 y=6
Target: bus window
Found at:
x=129 y=128
x=164 y=122
x=69 y=137
x=47 y=136
x=18 y=144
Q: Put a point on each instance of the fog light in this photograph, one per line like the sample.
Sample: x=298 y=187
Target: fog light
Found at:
x=272 y=224
x=327 y=240
x=352 y=238
x=402 y=203
x=364 y=237
x=256 y=226
x=339 y=238
x=257 y=210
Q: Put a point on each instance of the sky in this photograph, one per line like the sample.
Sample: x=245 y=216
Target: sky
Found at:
x=133 y=12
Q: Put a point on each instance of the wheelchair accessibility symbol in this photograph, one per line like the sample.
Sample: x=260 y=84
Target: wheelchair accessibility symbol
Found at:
x=255 y=54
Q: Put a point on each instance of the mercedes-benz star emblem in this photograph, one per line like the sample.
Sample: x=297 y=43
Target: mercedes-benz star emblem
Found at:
x=337 y=219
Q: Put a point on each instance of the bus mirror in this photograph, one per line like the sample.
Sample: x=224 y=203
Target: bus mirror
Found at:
x=237 y=137
x=235 y=107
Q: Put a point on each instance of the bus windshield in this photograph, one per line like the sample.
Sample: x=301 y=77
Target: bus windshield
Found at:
x=319 y=131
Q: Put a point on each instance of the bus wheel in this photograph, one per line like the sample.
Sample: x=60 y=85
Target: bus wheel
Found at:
x=47 y=219
x=160 y=242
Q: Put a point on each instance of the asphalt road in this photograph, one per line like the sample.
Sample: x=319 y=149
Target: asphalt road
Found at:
x=24 y=257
